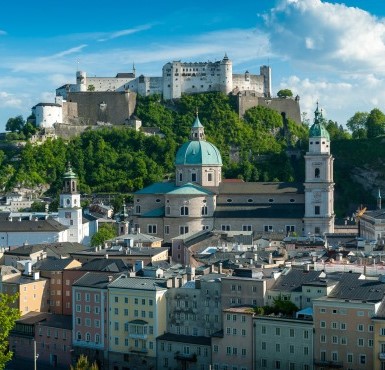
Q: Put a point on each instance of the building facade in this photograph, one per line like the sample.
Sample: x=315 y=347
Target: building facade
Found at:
x=200 y=200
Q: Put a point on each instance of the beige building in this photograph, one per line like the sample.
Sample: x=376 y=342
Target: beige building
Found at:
x=199 y=199
x=137 y=317
x=233 y=346
x=283 y=343
x=33 y=292
x=343 y=323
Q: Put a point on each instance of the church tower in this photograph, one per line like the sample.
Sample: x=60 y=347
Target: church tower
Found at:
x=319 y=185
x=70 y=211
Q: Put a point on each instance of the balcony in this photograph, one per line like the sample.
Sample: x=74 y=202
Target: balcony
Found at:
x=329 y=364
x=185 y=357
x=137 y=336
x=138 y=350
x=381 y=356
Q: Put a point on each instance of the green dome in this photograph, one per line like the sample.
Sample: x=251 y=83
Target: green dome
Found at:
x=318 y=129
x=198 y=152
x=69 y=174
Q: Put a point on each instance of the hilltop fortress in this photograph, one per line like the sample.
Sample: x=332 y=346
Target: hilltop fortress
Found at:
x=95 y=101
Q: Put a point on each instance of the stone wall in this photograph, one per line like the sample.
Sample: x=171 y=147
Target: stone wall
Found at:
x=286 y=106
x=112 y=107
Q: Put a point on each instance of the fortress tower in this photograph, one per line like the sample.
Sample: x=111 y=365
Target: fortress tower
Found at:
x=319 y=185
x=81 y=81
x=226 y=72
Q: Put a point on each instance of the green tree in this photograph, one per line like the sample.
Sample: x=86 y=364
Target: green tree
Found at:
x=357 y=125
x=105 y=232
x=83 y=364
x=91 y=88
x=285 y=93
x=8 y=317
x=375 y=124
x=336 y=131
x=15 y=124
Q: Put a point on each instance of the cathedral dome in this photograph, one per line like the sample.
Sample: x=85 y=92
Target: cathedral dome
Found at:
x=198 y=152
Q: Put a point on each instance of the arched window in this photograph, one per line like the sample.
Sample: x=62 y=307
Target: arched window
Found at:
x=78 y=336
x=180 y=176
x=184 y=211
x=316 y=173
x=97 y=338
x=88 y=337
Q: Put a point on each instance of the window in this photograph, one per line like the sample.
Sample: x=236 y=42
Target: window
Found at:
x=180 y=176
x=382 y=331
x=291 y=333
x=290 y=229
x=247 y=228
x=268 y=228
x=193 y=177
x=334 y=325
x=225 y=227
x=343 y=326
x=291 y=348
x=349 y=357
x=137 y=208
x=360 y=342
x=263 y=329
x=168 y=210
x=204 y=211
x=317 y=210
x=183 y=230
x=322 y=324
x=151 y=229
x=263 y=346
x=360 y=327
x=209 y=177
x=362 y=359
x=277 y=347
x=277 y=331
x=306 y=334
x=335 y=356
x=184 y=211
x=316 y=173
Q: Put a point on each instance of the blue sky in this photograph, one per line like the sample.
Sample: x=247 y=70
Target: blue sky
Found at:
x=331 y=52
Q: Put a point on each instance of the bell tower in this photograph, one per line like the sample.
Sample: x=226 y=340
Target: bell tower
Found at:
x=70 y=211
x=319 y=185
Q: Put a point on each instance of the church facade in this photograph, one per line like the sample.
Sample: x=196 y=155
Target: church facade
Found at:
x=199 y=199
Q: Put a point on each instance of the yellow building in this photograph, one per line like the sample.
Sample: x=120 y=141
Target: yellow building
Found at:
x=137 y=317
x=33 y=292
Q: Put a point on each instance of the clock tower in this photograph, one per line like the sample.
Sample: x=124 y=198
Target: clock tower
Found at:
x=70 y=211
x=319 y=185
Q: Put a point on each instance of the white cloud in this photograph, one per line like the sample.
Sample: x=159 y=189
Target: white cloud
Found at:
x=63 y=53
x=9 y=101
x=2 y=32
x=116 y=34
x=339 y=100
x=328 y=36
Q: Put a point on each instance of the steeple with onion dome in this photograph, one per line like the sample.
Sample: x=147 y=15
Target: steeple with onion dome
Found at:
x=319 y=185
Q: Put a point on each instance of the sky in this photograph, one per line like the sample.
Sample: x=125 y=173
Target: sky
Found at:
x=327 y=51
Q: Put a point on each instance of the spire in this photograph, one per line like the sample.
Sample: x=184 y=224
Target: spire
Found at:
x=197 y=130
x=379 y=199
x=133 y=68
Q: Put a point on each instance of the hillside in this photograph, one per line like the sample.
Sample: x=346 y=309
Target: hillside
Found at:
x=254 y=148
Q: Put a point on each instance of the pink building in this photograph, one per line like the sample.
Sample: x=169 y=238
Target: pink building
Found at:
x=91 y=317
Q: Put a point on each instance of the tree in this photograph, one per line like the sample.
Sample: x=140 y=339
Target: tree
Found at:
x=91 y=88
x=15 y=124
x=8 y=317
x=105 y=232
x=375 y=124
x=285 y=93
x=83 y=364
x=357 y=125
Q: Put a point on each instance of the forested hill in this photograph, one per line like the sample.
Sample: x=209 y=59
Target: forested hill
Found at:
x=254 y=148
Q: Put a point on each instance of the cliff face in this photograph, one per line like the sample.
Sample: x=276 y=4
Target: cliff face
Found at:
x=359 y=171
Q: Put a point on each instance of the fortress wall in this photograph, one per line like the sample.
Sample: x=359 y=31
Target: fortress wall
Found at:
x=112 y=107
x=249 y=82
x=250 y=99
x=109 y=83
